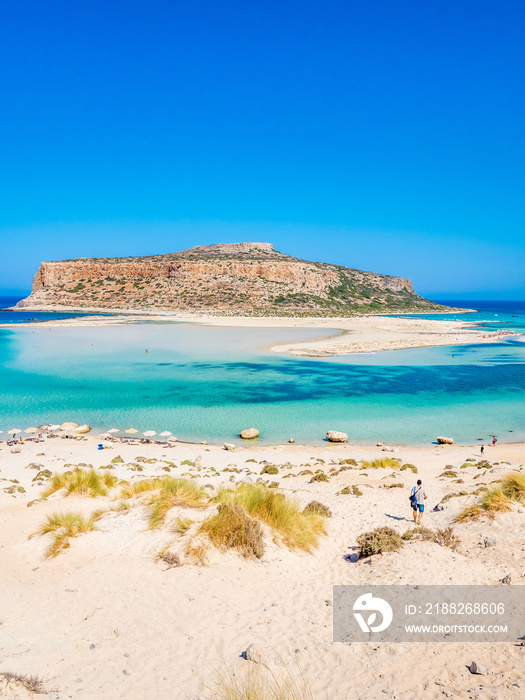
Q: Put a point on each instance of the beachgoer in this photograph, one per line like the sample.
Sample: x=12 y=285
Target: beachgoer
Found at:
x=482 y=449
x=494 y=441
x=417 y=496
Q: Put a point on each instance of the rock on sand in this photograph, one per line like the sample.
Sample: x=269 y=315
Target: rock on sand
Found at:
x=249 y=433
x=336 y=436
x=445 y=440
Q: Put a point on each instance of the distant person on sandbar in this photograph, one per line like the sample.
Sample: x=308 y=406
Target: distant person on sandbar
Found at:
x=494 y=441
x=482 y=449
x=417 y=496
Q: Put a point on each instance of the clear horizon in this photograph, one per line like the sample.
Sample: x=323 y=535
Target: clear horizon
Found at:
x=382 y=137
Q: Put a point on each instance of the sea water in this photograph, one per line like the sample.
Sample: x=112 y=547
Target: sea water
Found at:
x=208 y=383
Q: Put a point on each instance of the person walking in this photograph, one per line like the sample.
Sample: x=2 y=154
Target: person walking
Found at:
x=494 y=441
x=417 y=496
x=482 y=449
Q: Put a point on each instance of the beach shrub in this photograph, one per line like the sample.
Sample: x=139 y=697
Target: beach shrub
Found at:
x=64 y=526
x=117 y=460
x=81 y=482
x=445 y=538
x=232 y=528
x=321 y=476
x=393 y=486
x=187 y=463
x=296 y=529
x=449 y=473
x=353 y=490
x=270 y=469
x=381 y=463
x=182 y=525
x=382 y=539
x=350 y=461
x=318 y=509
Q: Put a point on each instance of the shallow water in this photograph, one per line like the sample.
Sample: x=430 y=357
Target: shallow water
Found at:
x=208 y=383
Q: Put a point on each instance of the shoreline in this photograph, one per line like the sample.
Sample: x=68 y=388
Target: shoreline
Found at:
x=359 y=334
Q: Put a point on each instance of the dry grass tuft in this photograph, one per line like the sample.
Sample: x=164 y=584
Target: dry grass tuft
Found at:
x=64 y=526
x=81 y=482
x=33 y=684
x=382 y=539
x=297 y=530
x=232 y=528
x=196 y=552
x=445 y=538
x=381 y=463
x=258 y=682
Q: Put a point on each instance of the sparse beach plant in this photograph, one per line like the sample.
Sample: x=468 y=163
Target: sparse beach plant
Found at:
x=318 y=509
x=351 y=490
x=321 y=476
x=378 y=541
x=270 y=469
x=32 y=684
x=259 y=682
x=412 y=468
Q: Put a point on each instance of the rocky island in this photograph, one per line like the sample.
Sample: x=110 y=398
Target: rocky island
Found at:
x=225 y=279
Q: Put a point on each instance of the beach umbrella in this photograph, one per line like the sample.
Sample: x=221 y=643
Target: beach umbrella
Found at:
x=54 y=427
x=165 y=434
x=14 y=430
x=130 y=431
x=114 y=430
x=149 y=433
x=32 y=431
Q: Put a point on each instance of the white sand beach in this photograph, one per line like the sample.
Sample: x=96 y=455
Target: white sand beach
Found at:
x=356 y=335
x=105 y=619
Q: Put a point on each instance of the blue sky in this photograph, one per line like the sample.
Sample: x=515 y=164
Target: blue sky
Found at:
x=379 y=135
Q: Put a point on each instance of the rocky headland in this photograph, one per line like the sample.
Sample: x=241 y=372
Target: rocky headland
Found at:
x=231 y=279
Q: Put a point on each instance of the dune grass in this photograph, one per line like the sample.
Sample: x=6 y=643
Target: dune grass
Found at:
x=81 y=482
x=298 y=530
x=498 y=500
x=513 y=485
x=64 y=526
x=381 y=463
x=166 y=493
x=258 y=682
x=232 y=528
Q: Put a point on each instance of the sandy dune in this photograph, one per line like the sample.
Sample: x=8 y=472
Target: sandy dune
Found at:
x=105 y=620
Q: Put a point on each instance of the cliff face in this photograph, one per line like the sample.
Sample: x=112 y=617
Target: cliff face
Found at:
x=237 y=278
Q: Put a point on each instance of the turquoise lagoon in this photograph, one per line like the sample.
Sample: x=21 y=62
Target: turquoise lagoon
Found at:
x=207 y=383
